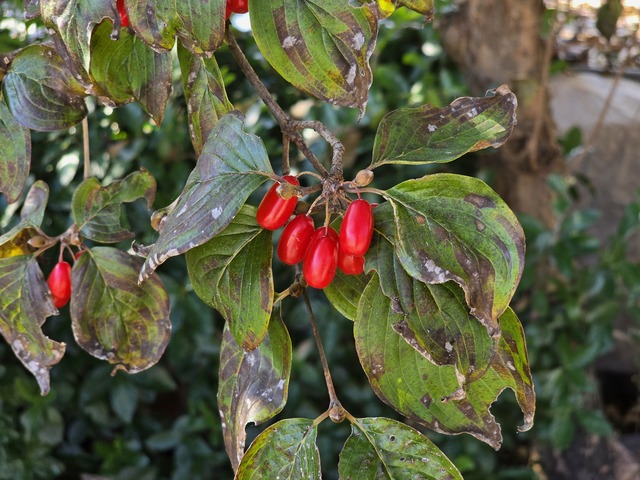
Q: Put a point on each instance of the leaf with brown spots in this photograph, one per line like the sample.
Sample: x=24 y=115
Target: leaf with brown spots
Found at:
x=252 y=386
x=452 y=227
x=198 y=25
x=232 y=273
x=385 y=449
x=286 y=449
x=427 y=393
x=126 y=69
x=321 y=47
x=112 y=317
x=427 y=134
x=226 y=174
x=25 y=303
x=73 y=22
x=15 y=154
x=433 y=319
x=39 y=91
x=205 y=95
x=97 y=210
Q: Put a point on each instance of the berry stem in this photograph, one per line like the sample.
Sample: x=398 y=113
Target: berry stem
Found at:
x=335 y=407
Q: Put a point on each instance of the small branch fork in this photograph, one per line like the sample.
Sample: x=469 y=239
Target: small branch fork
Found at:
x=290 y=128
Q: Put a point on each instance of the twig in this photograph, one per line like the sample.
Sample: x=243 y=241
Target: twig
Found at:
x=336 y=412
x=330 y=138
x=286 y=165
x=86 y=149
x=287 y=125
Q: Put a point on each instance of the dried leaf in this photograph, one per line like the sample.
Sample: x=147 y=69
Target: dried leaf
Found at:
x=25 y=303
x=252 y=386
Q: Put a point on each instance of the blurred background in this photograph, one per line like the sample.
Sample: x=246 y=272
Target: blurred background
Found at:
x=571 y=171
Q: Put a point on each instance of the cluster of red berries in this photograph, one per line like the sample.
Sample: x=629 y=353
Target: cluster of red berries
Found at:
x=322 y=251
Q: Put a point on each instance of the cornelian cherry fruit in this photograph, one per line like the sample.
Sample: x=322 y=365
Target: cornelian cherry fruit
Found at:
x=357 y=228
x=59 y=282
x=237 y=6
x=321 y=260
x=274 y=211
x=295 y=239
x=350 y=264
x=122 y=11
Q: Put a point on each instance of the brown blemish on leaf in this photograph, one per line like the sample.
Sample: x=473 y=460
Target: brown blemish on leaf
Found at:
x=480 y=201
x=426 y=401
x=250 y=341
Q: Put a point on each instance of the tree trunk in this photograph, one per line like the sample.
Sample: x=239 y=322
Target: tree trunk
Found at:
x=499 y=42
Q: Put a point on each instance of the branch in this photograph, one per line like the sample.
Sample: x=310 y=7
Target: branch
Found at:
x=288 y=126
x=336 y=412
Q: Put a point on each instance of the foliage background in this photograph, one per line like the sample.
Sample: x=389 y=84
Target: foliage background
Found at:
x=163 y=423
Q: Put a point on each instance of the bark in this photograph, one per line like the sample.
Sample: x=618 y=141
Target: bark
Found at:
x=499 y=42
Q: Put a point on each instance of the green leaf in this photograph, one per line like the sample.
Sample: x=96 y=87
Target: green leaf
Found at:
x=124 y=400
x=382 y=448
x=14 y=242
x=224 y=177
x=97 y=210
x=205 y=94
x=112 y=317
x=427 y=134
x=15 y=154
x=73 y=21
x=430 y=394
x=40 y=92
x=452 y=227
x=286 y=449
x=344 y=292
x=127 y=69
x=232 y=273
x=25 y=303
x=321 y=47
x=199 y=25
x=252 y=386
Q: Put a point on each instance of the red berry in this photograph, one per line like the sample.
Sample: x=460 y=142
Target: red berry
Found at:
x=295 y=239
x=59 y=282
x=350 y=264
x=124 y=17
x=237 y=6
x=274 y=211
x=321 y=260
x=357 y=228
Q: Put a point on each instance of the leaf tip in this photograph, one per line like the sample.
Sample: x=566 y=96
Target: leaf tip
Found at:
x=528 y=422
